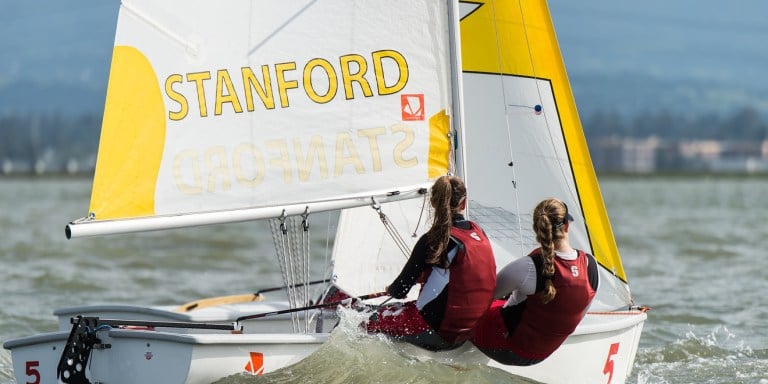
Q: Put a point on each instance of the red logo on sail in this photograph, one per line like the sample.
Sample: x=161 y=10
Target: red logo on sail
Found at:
x=256 y=365
x=412 y=107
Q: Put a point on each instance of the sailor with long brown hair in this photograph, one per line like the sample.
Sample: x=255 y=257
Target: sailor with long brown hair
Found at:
x=454 y=263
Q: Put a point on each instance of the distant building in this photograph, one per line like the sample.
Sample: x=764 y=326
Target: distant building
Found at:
x=698 y=155
x=606 y=154
x=14 y=166
x=648 y=155
x=639 y=156
x=48 y=163
x=632 y=155
x=741 y=156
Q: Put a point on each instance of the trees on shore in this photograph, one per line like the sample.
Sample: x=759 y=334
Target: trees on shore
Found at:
x=27 y=138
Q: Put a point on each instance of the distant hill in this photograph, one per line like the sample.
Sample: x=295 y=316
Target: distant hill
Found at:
x=686 y=56
x=630 y=95
x=71 y=99
x=55 y=55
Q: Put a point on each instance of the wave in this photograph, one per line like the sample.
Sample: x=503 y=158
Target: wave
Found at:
x=717 y=357
x=352 y=356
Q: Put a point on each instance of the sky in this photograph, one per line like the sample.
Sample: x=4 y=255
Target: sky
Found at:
x=715 y=45
x=699 y=39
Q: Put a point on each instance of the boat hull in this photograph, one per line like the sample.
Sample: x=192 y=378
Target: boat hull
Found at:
x=140 y=356
x=35 y=357
x=319 y=320
x=601 y=350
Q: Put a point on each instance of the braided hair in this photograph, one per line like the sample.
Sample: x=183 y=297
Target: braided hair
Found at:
x=549 y=218
x=446 y=196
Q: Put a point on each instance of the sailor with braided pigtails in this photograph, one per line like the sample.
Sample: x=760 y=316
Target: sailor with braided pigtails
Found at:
x=543 y=296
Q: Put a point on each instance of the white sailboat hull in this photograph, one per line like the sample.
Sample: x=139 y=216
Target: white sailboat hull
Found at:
x=222 y=314
x=601 y=350
x=137 y=356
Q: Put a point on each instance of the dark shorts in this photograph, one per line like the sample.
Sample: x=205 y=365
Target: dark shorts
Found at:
x=507 y=357
x=402 y=321
x=490 y=337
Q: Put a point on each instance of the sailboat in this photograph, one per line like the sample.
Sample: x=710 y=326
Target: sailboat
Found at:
x=240 y=111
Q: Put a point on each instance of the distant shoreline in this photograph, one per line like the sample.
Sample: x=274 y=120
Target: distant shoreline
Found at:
x=600 y=175
x=682 y=174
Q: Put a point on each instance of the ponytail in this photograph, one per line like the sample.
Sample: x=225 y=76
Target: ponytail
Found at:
x=549 y=217
x=446 y=196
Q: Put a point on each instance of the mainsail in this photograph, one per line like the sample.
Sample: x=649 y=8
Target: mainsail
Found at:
x=524 y=137
x=522 y=142
x=306 y=102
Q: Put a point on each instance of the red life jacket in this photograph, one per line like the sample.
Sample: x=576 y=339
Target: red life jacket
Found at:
x=544 y=327
x=471 y=285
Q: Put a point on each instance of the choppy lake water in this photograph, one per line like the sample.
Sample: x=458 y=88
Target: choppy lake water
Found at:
x=693 y=248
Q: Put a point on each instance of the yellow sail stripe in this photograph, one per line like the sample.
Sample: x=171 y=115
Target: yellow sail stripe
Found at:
x=439 y=144
x=516 y=37
x=134 y=117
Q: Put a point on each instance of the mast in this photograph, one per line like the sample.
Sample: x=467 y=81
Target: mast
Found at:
x=457 y=112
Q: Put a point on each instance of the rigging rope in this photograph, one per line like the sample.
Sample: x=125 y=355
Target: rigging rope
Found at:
x=537 y=106
x=421 y=215
x=565 y=174
x=511 y=163
x=293 y=254
x=306 y=252
x=393 y=233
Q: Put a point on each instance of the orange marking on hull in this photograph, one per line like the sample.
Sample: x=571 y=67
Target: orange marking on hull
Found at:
x=256 y=365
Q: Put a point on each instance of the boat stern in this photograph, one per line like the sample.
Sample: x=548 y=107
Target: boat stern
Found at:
x=601 y=350
x=35 y=358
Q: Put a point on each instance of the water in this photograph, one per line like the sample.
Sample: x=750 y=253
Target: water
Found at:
x=692 y=247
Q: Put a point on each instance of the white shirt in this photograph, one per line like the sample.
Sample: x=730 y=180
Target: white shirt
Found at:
x=518 y=278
